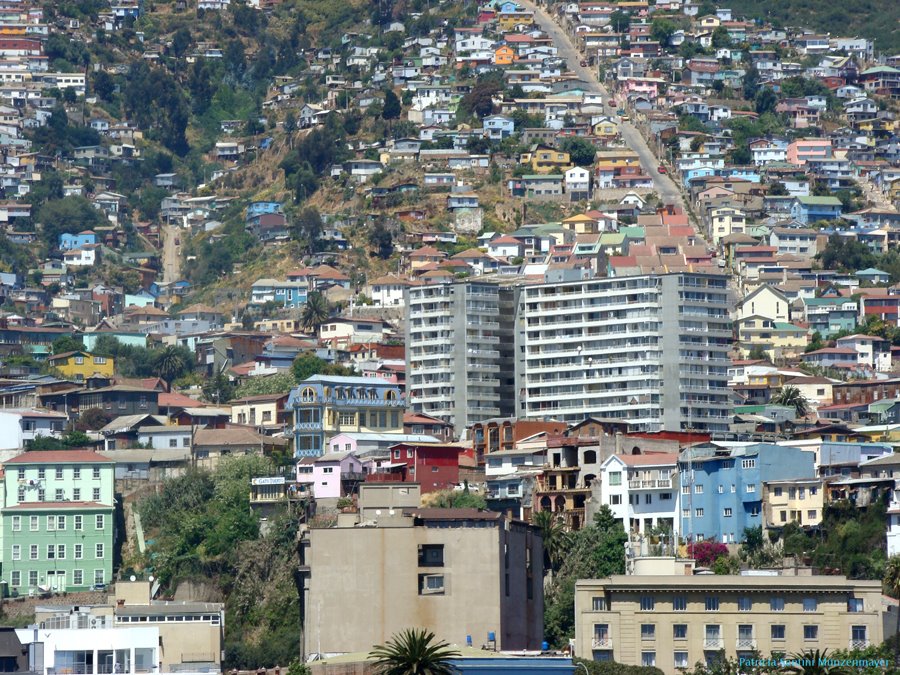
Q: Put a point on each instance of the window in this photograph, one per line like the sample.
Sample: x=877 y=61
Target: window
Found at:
x=713 y=637
x=858 y=636
x=16 y=552
x=679 y=631
x=59 y=495
x=99 y=524
x=431 y=584
x=79 y=523
x=42 y=473
x=98 y=552
x=615 y=477
x=685 y=489
x=21 y=473
x=647 y=603
x=811 y=514
x=32 y=578
x=601 y=634
x=727 y=513
x=748 y=463
x=685 y=513
x=698 y=489
x=431 y=555
x=698 y=513
x=173 y=442
x=42 y=495
x=745 y=604
x=648 y=498
x=78 y=577
x=665 y=496
x=95 y=494
x=328 y=469
x=598 y=603
x=810 y=632
x=776 y=492
x=855 y=605
x=79 y=551
x=712 y=603
x=15 y=578
x=778 y=632
x=810 y=604
x=33 y=552
x=98 y=577
x=51 y=551
x=61 y=551
x=776 y=605
x=76 y=494
x=96 y=473
x=79 y=360
x=21 y=494
x=679 y=603
x=59 y=472
x=33 y=523
x=615 y=500
x=751 y=488
x=648 y=658
x=60 y=523
x=681 y=659
x=648 y=631
x=733 y=488
x=76 y=472
x=17 y=523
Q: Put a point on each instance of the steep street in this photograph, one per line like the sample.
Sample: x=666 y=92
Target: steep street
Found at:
x=665 y=188
x=171 y=260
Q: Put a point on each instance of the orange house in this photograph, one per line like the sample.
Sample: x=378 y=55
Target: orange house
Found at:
x=504 y=55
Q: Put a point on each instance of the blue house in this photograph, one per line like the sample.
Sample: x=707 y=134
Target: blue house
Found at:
x=507 y=6
x=810 y=209
x=69 y=242
x=873 y=276
x=722 y=488
x=255 y=209
x=498 y=127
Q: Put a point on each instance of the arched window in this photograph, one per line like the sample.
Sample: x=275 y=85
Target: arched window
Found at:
x=391 y=395
x=590 y=457
x=635 y=450
x=308 y=395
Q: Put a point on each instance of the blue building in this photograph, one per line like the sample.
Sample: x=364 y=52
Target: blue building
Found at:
x=722 y=488
x=808 y=210
x=69 y=242
x=255 y=209
x=326 y=405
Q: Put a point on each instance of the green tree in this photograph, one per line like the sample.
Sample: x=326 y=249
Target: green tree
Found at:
x=778 y=189
x=315 y=312
x=218 y=389
x=662 y=30
x=765 y=101
x=414 y=651
x=793 y=398
x=391 y=109
x=846 y=254
x=307 y=228
x=812 y=662
x=171 y=363
x=67 y=343
x=280 y=383
x=381 y=240
x=554 y=536
x=93 y=419
x=581 y=151
x=70 y=214
x=720 y=37
x=619 y=21
x=308 y=364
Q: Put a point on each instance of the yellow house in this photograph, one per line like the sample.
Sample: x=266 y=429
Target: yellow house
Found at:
x=798 y=501
x=508 y=21
x=543 y=159
x=624 y=157
x=82 y=365
x=710 y=21
x=580 y=224
x=606 y=129
x=504 y=55
x=779 y=340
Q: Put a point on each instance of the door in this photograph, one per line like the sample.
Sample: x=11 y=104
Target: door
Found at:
x=56 y=581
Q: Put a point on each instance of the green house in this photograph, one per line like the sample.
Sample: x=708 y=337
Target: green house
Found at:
x=58 y=527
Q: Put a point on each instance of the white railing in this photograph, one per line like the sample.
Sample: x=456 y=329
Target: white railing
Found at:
x=601 y=642
x=713 y=643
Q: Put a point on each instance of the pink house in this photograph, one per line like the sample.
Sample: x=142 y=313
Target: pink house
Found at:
x=800 y=151
x=643 y=86
x=331 y=476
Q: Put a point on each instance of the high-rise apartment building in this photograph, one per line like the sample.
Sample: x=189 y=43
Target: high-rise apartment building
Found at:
x=650 y=350
x=459 y=351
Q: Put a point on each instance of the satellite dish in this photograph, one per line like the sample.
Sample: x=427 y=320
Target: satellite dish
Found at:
x=150 y=578
x=391 y=511
x=377 y=512
x=133 y=578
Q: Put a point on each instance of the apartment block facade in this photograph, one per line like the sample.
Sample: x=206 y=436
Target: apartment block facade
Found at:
x=57 y=518
x=675 y=621
x=651 y=351
x=459 y=351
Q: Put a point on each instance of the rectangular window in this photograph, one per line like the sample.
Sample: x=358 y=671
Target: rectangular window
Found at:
x=99 y=521
x=712 y=603
x=42 y=473
x=648 y=659
x=685 y=489
x=76 y=472
x=681 y=659
x=598 y=603
x=698 y=489
x=647 y=603
x=79 y=523
x=855 y=605
x=648 y=631
x=431 y=555
x=21 y=473
x=751 y=487
x=431 y=584
x=98 y=552
x=615 y=500
x=60 y=523
x=99 y=577
x=615 y=477
x=810 y=632
x=698 y=513
x=679 y=631
x=727 y=513
x=16 y=552
x=778 y=632
x=17 y=523
x=748 y=463
x=679 y=603
x=776 y=492
x=745 y=604
x=95 y=494
x=79 y=551
x=15 y=578
x=810 y=604
x=59 y=472
x=33 y=523
x=51 y=523
x=78 y=577
x=776 y=605
x=61 y=551
x=51 y=551
x=76 y=494
x=32 y=578
x=96 y=473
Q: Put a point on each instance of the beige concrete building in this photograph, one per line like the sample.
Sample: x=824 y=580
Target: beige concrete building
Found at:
x=674 y=621
x=800 y=501
x=457 y=572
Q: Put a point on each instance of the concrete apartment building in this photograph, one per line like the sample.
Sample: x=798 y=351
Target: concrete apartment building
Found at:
x=457 y=572
x=58 y=529
x=673 y=621
x=650 y=350
x=459 y=351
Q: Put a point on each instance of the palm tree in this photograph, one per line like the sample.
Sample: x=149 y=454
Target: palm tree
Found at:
x=169 y=364
x=414 y=652
x=555 y=537
x=892 y=585
x=791 y=397
x=316 y=311
x=812 y=663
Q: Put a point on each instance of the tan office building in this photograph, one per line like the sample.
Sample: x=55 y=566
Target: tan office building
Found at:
x=457 y=572
x=675 y=621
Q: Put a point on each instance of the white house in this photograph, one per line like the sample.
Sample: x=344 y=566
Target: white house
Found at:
x=578 y=183
x=642 y=490
x=504 y=462
x=506 y=247
x=17 y=427
x=387 y=291
x=873 y=351
x=84 y=256
x=163 y=437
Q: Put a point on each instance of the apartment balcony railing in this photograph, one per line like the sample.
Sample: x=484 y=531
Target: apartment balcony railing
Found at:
x=713 y=643
x=745 y=643
x=859 y=644
x=650 y=484
x=601 y=643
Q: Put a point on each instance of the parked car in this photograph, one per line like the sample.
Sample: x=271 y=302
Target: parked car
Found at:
x=661 y=169
x=584 y=63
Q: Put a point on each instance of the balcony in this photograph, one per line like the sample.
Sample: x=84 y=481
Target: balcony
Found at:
x=650 y=484
x=308 y=426
x=859 y=644
x=713 y=643
x=744 y=643
x=601 y=642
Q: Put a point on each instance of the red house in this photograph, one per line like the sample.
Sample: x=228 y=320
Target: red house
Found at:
x=434 y=466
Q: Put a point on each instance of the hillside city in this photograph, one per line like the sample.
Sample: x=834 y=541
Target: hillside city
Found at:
x=436 y=338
